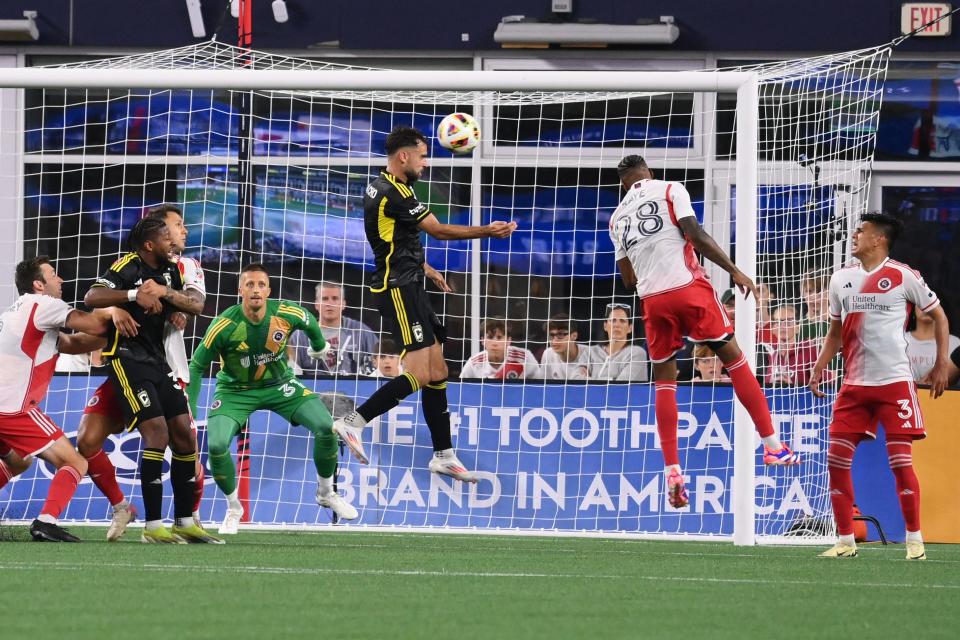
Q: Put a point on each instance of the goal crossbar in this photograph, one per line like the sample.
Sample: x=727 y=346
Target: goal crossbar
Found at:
x=353 y=80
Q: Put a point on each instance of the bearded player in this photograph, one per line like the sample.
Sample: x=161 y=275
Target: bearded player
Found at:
x=655 y=233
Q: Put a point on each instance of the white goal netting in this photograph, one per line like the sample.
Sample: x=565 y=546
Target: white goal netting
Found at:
x=278 y=177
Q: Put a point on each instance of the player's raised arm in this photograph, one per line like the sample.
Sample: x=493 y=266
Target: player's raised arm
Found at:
x=706 y=246
x=442 y=231
x=304 y=320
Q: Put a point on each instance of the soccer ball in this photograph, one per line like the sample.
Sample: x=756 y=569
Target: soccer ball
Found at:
x=459 y=132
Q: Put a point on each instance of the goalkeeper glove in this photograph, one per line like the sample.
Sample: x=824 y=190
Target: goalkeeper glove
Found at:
x=320 y=354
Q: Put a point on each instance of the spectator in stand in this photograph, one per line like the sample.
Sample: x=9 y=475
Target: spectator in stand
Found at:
x=499 y=360
x=351 y=342
x=565 y=359
x=386 y=360
x=922 y=346
x=815 y=290
x=617 y=359
x=792 y=360
x=708 y=365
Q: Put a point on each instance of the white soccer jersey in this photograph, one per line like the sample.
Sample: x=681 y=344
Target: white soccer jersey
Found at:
x=517 y=363
x=553 y=368
x=28 y=350
x=646 y=229
x=173 y=343
x=874 y=307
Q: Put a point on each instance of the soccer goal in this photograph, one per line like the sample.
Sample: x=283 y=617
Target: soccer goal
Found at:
x=268 y=156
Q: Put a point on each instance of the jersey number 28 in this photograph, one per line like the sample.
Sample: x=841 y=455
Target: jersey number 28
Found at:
x=648 y=223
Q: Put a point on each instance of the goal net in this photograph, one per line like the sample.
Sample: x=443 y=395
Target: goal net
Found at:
x=269 y=163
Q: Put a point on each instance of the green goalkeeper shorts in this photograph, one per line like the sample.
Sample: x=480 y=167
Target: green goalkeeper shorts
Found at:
x=283 y=399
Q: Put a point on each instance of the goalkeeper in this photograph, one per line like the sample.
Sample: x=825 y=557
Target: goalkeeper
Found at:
x=250 y=340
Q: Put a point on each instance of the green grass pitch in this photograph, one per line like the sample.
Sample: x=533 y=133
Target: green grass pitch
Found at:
x=381 y=585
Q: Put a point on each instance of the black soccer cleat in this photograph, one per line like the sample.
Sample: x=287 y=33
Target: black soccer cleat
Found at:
x=46 y=532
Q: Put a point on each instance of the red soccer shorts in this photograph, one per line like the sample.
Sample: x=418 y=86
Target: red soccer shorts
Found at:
x=859 y=409
x=28 y=433
x=104 y=402
x=694 y=312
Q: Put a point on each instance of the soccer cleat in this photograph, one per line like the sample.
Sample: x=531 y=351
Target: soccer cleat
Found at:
x=231 y=522
x=121 y=518
x=352 y=437
x=195 y=535
x=450 y=465
x=915 y=551
x=840 y=550
x=49 y=532
x=782 y=457
x=343 y=509
x=676 y=491
x=160 y=535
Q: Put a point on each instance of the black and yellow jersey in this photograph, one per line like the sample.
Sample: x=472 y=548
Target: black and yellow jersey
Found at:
x=129 y=272
x=391 y=214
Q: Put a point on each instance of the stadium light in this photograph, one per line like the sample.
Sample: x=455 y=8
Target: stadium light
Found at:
x=516 y=30
x=19 y=30
x=196 y=19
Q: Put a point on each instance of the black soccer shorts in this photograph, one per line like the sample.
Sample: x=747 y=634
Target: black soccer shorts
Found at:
x=146 y=390
x=409 y=317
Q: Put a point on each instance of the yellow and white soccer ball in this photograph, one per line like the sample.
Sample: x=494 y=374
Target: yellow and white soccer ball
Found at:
x=459 y=132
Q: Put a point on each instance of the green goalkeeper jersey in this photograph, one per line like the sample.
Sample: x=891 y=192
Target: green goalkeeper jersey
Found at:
x=252 y=355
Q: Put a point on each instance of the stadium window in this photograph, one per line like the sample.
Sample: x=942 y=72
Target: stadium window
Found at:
x=920 y=114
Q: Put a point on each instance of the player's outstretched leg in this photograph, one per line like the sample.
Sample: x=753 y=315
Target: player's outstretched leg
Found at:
x=183 y=465
x=839 y=463
x=749 y=393
x=221 y=430
x=350 y=427
x=70 y=469
x=900 y=455
x=95 y=426
x=665 y=407
x=198 y=478
x=315 y=417
x=436 y=412
x=153 y=432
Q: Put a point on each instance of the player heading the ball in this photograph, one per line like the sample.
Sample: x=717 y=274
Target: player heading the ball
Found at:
x=393 y=219
x=655 y=233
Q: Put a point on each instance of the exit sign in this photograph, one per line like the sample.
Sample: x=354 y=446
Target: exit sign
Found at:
x=914 y=15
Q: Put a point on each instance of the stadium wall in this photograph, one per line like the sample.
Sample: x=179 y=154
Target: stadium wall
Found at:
x=733 y=25
x=542 y=467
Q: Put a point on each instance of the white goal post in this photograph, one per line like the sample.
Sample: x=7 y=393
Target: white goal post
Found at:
x=483 y=89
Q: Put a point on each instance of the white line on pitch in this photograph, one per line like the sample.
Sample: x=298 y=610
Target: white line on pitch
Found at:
x=68 y=566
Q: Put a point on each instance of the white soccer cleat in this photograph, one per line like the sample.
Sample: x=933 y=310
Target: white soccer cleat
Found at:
x=231 y=522
x=352 y=437
x=343 y=509
x=840 y=550
x=121 y=518
x=916 y=551
x=447 y=464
